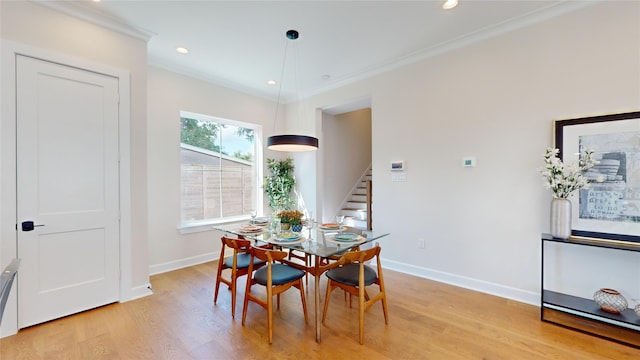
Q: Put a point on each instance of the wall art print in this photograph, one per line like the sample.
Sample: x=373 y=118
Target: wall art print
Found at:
x=610 y=207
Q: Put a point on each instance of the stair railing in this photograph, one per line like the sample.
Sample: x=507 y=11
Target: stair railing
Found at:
x=369 y=193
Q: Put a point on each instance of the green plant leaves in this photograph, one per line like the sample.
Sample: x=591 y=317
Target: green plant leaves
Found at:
x=280 y=183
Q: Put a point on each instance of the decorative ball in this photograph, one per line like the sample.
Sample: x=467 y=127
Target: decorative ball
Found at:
x=610 y=300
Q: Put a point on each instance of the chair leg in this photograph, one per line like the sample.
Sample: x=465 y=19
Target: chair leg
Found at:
x=219 y=273
x=327 y=297
x=217 y=287
x=384 y=302
x=218 y=277
x=247 y=293
x=304 y=302
x=361 y=314
x=384 y=310
x=307 y=263
x=270 y=313
x=233 y=294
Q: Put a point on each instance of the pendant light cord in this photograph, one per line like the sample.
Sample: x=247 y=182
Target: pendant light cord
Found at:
x=289 y=142
x=284 y=62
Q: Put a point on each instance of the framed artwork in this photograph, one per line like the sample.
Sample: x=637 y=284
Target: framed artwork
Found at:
x=610 y=208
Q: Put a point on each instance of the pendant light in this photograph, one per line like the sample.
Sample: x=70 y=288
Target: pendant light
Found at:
x=288 y=142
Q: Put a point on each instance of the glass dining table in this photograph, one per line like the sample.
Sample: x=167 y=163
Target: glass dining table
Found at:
x=318 y=242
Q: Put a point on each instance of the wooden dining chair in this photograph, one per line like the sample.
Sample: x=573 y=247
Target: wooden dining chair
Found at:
x=277 y=278
x=353 y=276
x=239 y=265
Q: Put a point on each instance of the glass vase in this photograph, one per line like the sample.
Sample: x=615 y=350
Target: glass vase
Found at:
x=274 y=225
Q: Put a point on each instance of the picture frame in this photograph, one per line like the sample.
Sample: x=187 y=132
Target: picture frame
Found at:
x=609 y=209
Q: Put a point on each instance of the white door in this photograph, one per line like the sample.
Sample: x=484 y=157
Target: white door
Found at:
x=67 y=185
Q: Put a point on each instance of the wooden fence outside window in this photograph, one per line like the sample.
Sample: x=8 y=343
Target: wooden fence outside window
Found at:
x=214 y=191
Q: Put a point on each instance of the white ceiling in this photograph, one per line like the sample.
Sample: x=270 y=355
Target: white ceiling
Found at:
x=240 y=44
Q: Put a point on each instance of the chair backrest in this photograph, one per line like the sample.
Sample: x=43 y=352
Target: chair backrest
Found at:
x=360 y=255
x=6 y=280
x=268 y=255
x=238 y=244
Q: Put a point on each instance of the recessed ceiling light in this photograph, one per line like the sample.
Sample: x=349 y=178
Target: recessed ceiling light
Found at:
x=182 y=50
x=271 y=82
x=450 y=4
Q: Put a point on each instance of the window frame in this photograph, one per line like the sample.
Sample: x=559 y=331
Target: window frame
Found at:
x=205 y=225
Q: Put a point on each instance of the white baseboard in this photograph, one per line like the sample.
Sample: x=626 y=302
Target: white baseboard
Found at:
x=527 y=297
x=520 y=295
x=139 y=292
x=183 y=263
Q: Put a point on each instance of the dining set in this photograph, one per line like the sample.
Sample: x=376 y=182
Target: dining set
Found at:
x=270 y=257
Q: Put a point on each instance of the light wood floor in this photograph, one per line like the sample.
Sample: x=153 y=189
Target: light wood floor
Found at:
x=427 y=320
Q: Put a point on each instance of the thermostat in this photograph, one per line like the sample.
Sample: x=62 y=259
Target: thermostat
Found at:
x=469 y=161
x=397 y=166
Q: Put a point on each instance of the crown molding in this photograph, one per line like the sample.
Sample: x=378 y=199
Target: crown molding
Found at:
x=208 y=78
x=85 y=12
x=486 y=33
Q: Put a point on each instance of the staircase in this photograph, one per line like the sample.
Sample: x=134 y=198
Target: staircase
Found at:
x=357 y=207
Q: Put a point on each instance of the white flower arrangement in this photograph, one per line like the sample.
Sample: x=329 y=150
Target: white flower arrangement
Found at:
x=563 y=180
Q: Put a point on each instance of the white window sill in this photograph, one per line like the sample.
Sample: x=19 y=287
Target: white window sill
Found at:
x=208 y=225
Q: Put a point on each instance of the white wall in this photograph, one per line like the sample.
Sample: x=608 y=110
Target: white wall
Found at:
x=44 y=30
x=168 y=94
x=495 y=100
x=345 y=159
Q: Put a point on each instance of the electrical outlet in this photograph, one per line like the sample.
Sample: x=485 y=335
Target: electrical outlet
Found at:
x=421 y=243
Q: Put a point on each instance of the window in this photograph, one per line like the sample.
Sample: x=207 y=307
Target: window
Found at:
x=219 y=169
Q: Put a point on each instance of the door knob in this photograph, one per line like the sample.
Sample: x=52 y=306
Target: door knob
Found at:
x=29 y=225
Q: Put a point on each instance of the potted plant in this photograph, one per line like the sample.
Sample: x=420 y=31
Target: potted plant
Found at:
x=279 y=184
x=291 y=218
